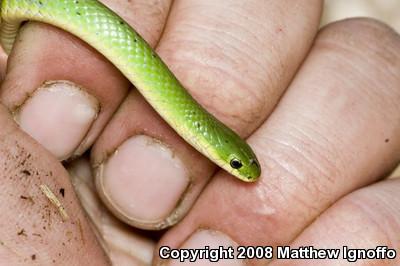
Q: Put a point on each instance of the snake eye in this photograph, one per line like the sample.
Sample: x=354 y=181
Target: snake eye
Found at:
x=235 y=164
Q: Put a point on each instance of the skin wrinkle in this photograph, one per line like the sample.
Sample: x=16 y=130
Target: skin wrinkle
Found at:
x=239 y=121
x=342 y=49
x=338 y=222
x=390 y=203
x=388 y=207
x=213 y=49
x=43 y=60
x=377 y=33
x=220 y=43
x=255 y=62
x=331 y=171
x=354 y=147
x=144 y=20
x=251 y=114
x=226 y=222
x=264 y=208
x=284 y=177
x=370 y=221
x=234 y=45
x=298 y=180
x=387 y=38
x=306 y=181
x=21 y=176
x=306 y=154
x=385 y=115
x=273 y=218
x=149 y=14
x=266 y=188
x=348 y=61
x=379 y=97
x=361 y=205
x=14 y=159
x=91 y=241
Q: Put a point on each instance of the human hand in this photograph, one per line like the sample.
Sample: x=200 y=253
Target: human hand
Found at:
x=340 y=107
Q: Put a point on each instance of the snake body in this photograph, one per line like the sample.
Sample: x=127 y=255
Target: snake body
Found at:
x=110 y=35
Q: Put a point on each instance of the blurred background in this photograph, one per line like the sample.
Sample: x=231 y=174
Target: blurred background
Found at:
x=387 y=11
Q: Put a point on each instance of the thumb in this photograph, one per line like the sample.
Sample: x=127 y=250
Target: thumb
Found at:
x=42 y=221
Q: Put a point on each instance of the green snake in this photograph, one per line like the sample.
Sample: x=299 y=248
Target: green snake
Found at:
x=110 y=35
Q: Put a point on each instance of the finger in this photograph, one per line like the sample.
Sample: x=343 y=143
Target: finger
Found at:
x=122 y=245
x=366 y=219
x=236 y=67
x=3 y=63
x=46 y=56
x=336 y=129
x=42 y=221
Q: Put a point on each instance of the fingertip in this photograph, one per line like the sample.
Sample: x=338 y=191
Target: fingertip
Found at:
x=58 y=115
x=142 y=181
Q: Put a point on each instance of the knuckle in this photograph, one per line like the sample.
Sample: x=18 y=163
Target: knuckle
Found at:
x=237 y=100
x=364 y=36
x=311 y=173
x=366 y=50
x=358 y=28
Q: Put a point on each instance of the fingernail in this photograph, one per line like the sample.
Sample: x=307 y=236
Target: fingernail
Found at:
x=143 y=181
x=58 y=115
x=208 y=240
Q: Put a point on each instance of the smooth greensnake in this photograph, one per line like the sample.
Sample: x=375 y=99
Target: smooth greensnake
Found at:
x=110 y=35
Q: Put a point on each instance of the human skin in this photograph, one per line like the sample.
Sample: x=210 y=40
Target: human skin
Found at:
x=320 y=108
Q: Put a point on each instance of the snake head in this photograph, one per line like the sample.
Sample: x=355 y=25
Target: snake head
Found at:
x=232 y=153
x=246 y=169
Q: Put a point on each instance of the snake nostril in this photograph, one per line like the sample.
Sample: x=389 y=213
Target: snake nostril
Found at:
x=253 y=161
